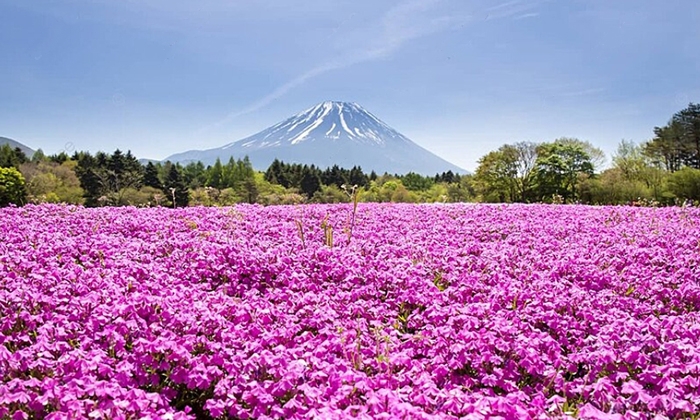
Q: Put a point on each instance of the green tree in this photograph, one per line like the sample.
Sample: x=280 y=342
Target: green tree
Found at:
x=612 y=186
x=194 y=174
x=496 y=175
x=685 y=183
x=330 y=194
x=86 y=170
x=51 y=182
x=231 y=175
x=508 y=174
x=595 y=155
x=215 y=175
x=335 y=176
x=249 y=190
x=39 y=156
x=387 y=186
x=525 y=154
x=144 y=197
x=228 y=197
x=448 y=177
x=402 y=195
x=134 y=167
x=630 y=160
x=118 y=173
x=462 y=191
x=635 y=165
x=8 y=157
x=203 y=196
x=21 y=156
x=150 y=176
x=105 y=178
x=12 y=187
x=175 y=186
x=689 y=121
x=559 y=166
x=275 y=174
x=677 y=144
x=371 y=193
x=294 y=174
x=667 y=147
x=272 y=193
x=415 y=182
x=357 y=177
x=437 y=193
x=59 y=158
x=310 y=182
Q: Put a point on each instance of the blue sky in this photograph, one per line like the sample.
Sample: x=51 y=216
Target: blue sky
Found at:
x=459 y=77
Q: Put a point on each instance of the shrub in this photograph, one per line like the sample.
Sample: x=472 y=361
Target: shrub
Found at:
x=12 y=187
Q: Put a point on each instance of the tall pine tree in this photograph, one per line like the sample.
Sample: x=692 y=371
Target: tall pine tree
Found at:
x=175 y=186
x=310 y=181
x=215 y=175
x=150 y=176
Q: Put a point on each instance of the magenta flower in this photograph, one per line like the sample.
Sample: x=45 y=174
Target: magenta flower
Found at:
x=429 y=312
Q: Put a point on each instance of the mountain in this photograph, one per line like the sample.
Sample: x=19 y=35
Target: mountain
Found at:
x=13 y=143
x=330 y=133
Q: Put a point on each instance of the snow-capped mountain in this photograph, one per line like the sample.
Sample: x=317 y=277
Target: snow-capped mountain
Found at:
x=328 y=120
x=327 y=134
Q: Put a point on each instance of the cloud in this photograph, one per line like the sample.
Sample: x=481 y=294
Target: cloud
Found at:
x=400 y=24
x=407 y=21
x=505 y=6
x=280 y=91
x=591 y=87
x=516 y=9
x=526 y=16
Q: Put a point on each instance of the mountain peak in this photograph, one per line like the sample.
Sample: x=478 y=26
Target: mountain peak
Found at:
x=334 y=121
x=330 y=133
x=338 y=103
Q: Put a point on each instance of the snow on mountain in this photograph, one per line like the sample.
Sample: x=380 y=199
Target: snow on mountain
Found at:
x=327 y=134
x=327 y=120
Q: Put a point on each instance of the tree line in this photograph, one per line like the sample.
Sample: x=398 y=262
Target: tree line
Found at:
x=664 y=170
x=661 y=171
x=119 y=179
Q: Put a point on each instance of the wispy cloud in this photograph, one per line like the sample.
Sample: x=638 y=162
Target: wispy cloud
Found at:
x=526 y=16
x=279 y=92
x=515 y=9
x=505 y=6
x=408 y=21
x=400 y=24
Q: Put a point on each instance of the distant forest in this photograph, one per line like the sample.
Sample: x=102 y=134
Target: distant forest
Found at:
x=662 y=171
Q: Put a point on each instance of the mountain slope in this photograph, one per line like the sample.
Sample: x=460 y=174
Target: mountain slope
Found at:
x=13 y=143
x=327 y=134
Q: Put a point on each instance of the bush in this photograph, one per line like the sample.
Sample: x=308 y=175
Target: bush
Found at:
x=402 y=195
x=144 y=197
x=284 y=198
x=50 y=182
x=330 y=194
x=685 y=183
x=611 y=187
x=12 y=187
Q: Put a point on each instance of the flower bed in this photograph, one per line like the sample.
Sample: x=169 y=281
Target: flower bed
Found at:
x=443 y=311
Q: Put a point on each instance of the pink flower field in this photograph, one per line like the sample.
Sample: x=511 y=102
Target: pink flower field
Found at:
x=413 y=312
